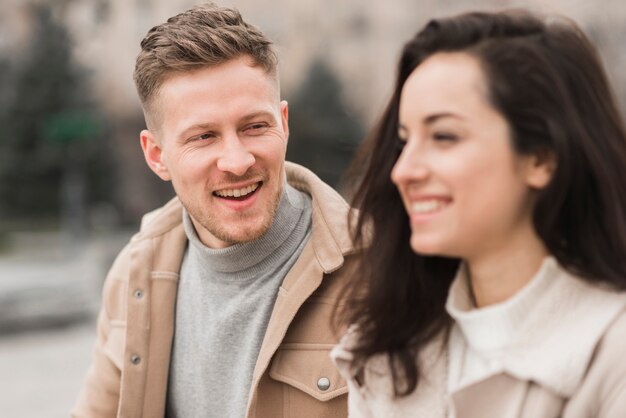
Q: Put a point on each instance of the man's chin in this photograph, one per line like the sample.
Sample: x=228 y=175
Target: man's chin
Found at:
x=240 y=232
x=240 y=237
x=226 y=228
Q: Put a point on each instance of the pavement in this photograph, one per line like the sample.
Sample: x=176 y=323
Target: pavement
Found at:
x=50 y=289
x=41 y=372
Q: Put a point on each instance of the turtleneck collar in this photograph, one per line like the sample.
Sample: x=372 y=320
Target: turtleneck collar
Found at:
x=493 y=327
x=546 y=332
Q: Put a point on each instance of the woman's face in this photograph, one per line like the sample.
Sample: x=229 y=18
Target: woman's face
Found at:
x=464 y=188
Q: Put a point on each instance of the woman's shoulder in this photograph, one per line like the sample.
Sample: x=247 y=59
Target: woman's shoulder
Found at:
x=611 y=348
x=603 y=389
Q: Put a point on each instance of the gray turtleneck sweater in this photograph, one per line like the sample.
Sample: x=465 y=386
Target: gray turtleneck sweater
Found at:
x=224 y=302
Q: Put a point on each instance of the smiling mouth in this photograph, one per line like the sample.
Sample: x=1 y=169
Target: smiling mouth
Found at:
x=428 y=206
x=238 y=194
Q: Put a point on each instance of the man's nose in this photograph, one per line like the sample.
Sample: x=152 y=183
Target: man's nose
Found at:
x=235 y=157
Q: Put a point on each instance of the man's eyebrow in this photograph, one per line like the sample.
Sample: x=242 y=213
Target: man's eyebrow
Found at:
x=254 y=115
x=194 y=128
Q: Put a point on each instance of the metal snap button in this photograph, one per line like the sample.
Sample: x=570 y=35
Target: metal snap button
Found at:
x=323 y=383
x=135 y=359
x=138 y=294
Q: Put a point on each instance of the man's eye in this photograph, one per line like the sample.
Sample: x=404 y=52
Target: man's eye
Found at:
x=202 y=137
x=256 y=128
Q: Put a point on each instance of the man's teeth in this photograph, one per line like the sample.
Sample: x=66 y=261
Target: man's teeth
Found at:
x=237 y=192
x=426 y=206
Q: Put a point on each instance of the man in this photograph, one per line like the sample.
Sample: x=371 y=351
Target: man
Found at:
x=220 y=306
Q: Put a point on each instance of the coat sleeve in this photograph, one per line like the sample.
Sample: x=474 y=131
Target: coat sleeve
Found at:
x=615 y=405
x=357 y=407
x=602 y=393
x=100 y=393
x=342 y=357
x=99 y=396
x=610 y=371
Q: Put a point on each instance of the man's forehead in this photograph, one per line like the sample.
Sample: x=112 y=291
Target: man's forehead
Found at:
x=212 y=89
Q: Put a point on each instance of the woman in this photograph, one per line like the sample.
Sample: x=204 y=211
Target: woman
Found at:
x=493 y=203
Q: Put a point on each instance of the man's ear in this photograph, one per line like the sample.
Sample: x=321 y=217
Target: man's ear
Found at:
x=284 y=116
x=153 y=152
x=541 y=168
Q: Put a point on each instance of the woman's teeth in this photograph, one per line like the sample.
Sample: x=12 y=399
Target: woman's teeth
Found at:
x=427 y=206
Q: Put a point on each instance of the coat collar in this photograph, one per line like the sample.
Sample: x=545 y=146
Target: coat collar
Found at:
x=553 y=335
x=330 y=238
x=324 y=254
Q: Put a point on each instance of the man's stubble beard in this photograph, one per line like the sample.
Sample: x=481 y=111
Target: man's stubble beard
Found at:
x=217 y=229
x=215 y=226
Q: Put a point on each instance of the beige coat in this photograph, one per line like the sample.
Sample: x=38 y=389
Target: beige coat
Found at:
x=129 y=372
x=569 y=363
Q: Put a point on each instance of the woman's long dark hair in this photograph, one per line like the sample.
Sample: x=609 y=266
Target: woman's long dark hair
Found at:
x=546 y=79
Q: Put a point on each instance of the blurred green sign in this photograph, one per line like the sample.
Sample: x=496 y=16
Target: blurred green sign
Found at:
x=70 y=127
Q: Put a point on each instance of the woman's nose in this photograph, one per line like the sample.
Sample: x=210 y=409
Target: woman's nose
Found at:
x=411 y=165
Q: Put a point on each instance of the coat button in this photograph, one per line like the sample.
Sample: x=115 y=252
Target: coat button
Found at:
x=135 y=359
x=323 y=383
x=138 y=294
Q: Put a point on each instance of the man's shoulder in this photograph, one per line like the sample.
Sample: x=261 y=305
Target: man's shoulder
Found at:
x=307 y=181
x=153 y=224
x=160 y=220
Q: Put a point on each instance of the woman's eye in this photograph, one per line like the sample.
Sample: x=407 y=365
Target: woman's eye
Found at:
x=399 y=143
x=444 y=136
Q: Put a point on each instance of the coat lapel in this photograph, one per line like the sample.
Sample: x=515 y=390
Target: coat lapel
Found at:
x=301 y=281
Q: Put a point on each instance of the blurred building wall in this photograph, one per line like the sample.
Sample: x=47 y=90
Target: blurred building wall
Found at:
x=359 y=39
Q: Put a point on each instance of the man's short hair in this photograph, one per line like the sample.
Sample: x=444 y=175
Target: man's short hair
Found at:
x=205 y=35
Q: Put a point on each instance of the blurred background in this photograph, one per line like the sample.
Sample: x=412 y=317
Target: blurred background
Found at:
x=73 y=183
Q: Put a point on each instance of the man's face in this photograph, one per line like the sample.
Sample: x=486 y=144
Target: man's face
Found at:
x=221 y=139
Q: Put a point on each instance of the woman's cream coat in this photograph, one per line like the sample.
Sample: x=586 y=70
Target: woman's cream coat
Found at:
x=569 y=361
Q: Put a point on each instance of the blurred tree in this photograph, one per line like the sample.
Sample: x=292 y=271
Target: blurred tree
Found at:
x=5 y=83
x=54 y=158
x=323 y=133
